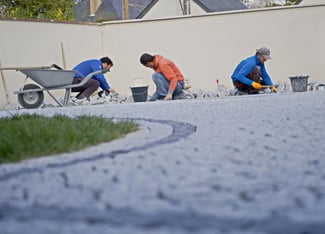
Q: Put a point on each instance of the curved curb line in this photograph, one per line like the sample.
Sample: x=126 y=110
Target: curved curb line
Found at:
x=180 y=130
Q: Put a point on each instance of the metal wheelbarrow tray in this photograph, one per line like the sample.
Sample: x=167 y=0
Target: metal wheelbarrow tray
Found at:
x=50 y=78
x=32 y=96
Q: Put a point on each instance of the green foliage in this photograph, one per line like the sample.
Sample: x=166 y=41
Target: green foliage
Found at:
x=38 y=9
x=29 y=136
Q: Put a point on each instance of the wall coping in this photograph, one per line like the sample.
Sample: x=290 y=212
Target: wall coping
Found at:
x=245 y=11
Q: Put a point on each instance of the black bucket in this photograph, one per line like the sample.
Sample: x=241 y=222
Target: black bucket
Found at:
x=299 y=83
x=140 y=93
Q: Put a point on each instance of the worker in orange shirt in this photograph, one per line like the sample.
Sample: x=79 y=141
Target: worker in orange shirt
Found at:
x=168 y=78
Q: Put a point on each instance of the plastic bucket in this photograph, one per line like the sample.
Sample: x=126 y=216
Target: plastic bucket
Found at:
x=140 y=93
x=299 y=83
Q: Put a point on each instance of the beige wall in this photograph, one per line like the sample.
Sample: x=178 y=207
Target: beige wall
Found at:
x=39 y=44
x=205 y=48
x=312 y=2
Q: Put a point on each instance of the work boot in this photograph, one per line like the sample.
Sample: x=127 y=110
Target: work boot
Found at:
x=80 y=102
x=233 y=92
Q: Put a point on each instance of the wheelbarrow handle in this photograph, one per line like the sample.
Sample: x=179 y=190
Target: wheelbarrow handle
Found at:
x=105 y=70
x=25 y=68
x=56 y=66
x=88 y=77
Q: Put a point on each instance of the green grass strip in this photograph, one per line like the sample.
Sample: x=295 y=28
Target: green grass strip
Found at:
x=30 y=136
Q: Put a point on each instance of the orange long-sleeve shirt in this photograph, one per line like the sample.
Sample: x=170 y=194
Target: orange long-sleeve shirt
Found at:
x=169 y=70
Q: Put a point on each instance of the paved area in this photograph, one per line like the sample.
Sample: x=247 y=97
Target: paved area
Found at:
x=230 y=165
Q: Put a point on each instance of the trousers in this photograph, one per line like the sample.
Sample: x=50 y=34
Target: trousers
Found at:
x=162 y=87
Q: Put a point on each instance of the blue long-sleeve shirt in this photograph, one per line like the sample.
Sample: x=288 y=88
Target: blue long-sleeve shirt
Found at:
x=86 y=67
x=243 y=69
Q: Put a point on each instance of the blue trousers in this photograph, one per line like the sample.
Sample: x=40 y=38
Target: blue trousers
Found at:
x=162 y=87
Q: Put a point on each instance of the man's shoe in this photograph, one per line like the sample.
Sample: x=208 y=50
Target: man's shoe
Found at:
x=233 y=92
x=155 y=96
x=80 y=102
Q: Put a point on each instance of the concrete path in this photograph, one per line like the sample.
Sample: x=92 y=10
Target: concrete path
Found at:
x=244 y=164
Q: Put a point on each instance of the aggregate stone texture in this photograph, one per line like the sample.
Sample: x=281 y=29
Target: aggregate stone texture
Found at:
x=231 y=165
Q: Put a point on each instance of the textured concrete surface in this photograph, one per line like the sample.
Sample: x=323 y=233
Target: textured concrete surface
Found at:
x=243 y=164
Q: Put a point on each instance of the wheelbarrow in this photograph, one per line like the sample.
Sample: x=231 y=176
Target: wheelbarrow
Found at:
x=49 y=78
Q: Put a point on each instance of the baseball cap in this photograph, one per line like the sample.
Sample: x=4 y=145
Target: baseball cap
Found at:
x=265 y=52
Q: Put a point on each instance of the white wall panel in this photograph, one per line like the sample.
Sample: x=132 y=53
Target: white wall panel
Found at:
x=205 y=48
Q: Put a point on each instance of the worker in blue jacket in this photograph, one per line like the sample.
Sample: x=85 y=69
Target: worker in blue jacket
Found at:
x=250 y=74
x=86 y=67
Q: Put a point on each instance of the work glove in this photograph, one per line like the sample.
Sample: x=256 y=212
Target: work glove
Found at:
x=256 y=85
x=273 y=89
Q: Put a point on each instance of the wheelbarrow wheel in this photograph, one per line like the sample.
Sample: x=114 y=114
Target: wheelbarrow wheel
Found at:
x=33 y=99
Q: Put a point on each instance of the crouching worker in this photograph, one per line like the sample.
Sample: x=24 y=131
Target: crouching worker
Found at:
x=250 y=74
x=168 y=78
x=83 y=69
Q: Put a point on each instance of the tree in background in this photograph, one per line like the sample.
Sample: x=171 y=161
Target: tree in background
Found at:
x=38 y=9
